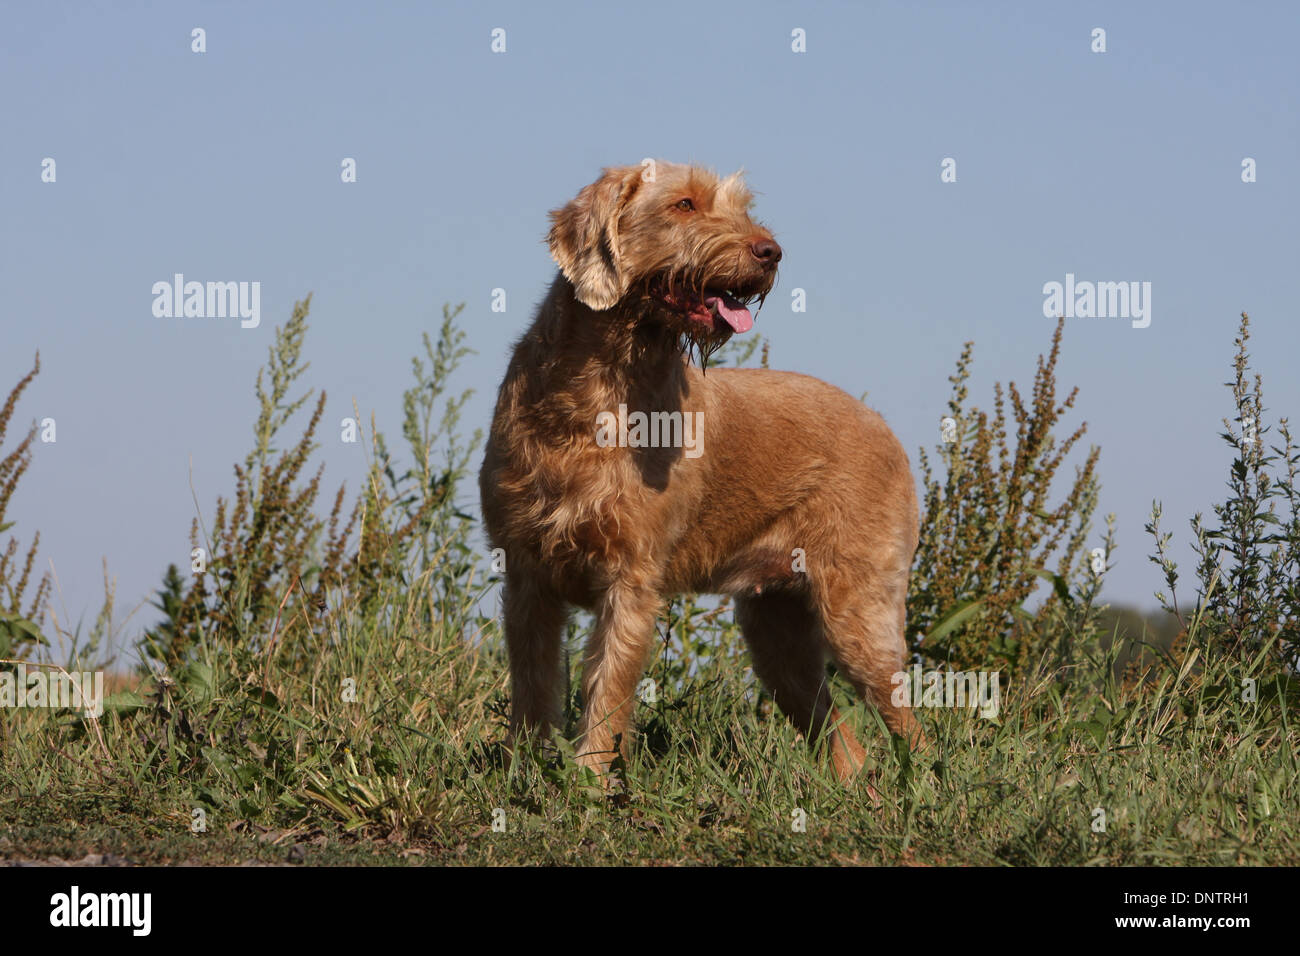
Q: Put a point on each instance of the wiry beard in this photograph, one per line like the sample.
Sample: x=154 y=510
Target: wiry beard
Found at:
x=694 y=340
x=702 y=344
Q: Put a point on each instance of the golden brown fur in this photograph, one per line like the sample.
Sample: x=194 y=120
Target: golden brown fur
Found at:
x=788 y=462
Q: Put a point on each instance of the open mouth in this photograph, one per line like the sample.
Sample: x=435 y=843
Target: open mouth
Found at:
x=722 y=310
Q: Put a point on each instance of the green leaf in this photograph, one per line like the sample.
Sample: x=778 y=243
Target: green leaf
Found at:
x=955 y=617
x=220 y=761
x=1059 y=585
x=124 y=702
x=266 y=698
x=197 y=677
x=20 y=629
x=208 y=796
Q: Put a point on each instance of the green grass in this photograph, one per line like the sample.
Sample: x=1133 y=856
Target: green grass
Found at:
x=413 y=770
x=335 y=692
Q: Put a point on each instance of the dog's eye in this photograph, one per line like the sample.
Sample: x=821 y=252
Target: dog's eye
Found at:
x=686 y=205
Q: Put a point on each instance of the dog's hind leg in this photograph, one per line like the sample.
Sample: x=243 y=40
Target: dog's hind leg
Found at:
x=789 y=653
x=864 y=623
x=534 y=626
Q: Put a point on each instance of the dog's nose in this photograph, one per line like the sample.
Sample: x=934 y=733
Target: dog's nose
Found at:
x=766 y=251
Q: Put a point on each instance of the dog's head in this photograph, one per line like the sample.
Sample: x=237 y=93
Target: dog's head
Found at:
x=674 y=241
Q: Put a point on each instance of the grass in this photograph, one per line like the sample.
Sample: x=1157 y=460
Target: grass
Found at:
x=351 y=721
x=1184 y=770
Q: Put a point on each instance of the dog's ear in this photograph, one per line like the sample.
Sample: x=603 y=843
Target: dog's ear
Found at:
x=584 y=237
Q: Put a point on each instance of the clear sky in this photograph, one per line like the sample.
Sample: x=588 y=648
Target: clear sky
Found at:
x=225 y=166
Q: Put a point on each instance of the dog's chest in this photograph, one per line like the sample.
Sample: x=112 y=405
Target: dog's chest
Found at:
x=580 y=518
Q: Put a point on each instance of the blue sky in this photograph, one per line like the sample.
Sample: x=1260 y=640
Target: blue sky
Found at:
x=224 y=166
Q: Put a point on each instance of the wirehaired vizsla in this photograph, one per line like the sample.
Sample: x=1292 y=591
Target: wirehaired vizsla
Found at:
x=617 y=473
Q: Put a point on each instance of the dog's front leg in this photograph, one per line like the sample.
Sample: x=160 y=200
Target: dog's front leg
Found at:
x=615 y=657
x=534 y=626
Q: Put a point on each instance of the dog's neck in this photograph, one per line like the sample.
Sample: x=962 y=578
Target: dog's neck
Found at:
x=629 y=358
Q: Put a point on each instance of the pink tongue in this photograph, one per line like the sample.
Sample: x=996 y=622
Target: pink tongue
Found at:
x=735 y=314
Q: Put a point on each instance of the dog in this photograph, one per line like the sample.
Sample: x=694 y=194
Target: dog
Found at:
x=772 y=487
